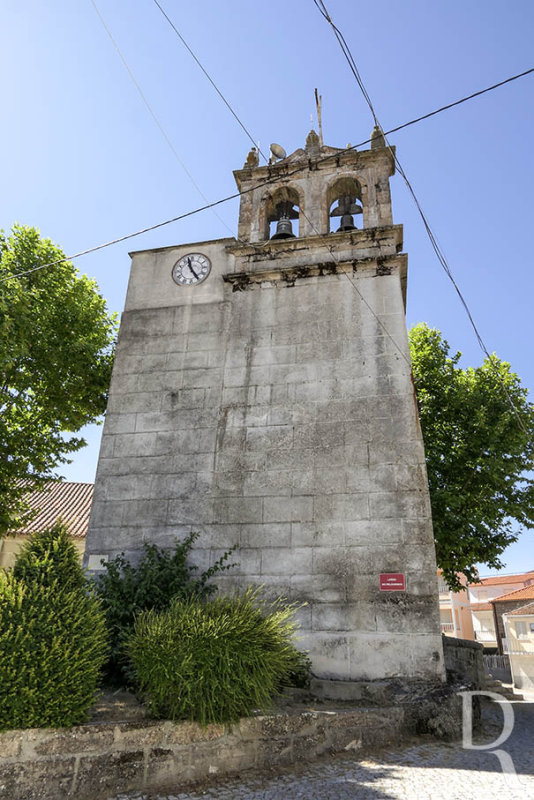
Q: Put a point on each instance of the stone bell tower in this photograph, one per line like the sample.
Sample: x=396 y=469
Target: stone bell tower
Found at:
x=262 y=396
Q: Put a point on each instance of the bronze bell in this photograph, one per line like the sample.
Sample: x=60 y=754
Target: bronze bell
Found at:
x=347 y=223
x=345 y=208
x=284 y=229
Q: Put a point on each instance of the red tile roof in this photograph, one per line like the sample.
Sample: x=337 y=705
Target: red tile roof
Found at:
x=498 y=580
x=70 y=502
x=481 y=607
x=523 y=611
x=526 y=593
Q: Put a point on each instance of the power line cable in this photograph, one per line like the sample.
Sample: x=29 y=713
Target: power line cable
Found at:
x=208 y=76
x=437 y=249
x=346 y=50
x=360 y=294
x=119 y=239
x=160 y=126
x=153 y=114
x=267 y=182
x=462 y=100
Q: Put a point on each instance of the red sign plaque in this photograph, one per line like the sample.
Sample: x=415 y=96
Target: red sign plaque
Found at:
x=392 y=582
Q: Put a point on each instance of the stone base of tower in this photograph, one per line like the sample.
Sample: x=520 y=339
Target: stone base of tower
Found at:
x=374 y=656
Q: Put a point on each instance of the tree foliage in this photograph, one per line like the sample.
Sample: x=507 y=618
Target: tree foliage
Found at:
x=56 y=353
x=478 y=452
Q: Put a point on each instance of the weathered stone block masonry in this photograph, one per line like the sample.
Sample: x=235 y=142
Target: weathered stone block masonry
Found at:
x=262 y=396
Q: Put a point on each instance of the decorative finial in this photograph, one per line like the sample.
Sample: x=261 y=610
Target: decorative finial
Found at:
x=377 y=138
x=253 y=158
x=312 y=143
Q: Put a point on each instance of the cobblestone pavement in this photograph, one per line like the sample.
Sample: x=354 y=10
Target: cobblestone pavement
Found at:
x=421 y=770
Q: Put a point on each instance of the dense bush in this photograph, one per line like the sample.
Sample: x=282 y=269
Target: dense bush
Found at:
x=213 y=661
x=299 y=676
x=50 y=556
x=126 y=590
x=53 y=639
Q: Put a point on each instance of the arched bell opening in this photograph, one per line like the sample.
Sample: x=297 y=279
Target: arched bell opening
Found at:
x=282 y=212
x=345 y=209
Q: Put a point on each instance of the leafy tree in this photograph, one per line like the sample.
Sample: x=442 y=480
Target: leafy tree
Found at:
x=478 y=452
x=56 y=354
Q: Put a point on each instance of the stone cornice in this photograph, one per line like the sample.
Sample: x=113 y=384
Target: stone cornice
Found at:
x=385 y=265
x=357 y=238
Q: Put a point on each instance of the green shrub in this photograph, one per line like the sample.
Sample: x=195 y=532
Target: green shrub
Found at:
x=160 y=576
x=213 y=661
x=53 y=639
x=50 y=556
x=299 y=675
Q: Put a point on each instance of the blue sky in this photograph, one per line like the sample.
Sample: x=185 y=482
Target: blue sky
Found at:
x=83 y=160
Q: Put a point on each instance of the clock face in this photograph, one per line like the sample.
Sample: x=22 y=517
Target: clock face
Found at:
x=191 y=269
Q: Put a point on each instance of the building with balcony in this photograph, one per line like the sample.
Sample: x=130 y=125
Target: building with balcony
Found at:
x=455 y=610
x=482 y=594
x=505 y=605
x=519 y=630
x=469 y=614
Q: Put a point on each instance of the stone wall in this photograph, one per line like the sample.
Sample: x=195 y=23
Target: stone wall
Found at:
x=94 y=762
x=464 y=661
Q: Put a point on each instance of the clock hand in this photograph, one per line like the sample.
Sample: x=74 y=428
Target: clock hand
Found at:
x=191 y=268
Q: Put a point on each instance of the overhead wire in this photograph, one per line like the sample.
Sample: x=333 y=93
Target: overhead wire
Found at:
x=160 y=126
x=210 y=79
x=462 y=100
x=267 y=182
x=153 y=114
x=437 y=249
x=118 y=239
x=360 y=294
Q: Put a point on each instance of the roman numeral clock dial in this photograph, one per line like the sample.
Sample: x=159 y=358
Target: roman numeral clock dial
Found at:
x=191 y=269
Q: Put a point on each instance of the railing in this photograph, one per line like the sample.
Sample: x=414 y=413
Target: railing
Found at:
x=443 y=588
x=485 y=636
x=498 y=667
x=447 y=627
x=496 y=662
